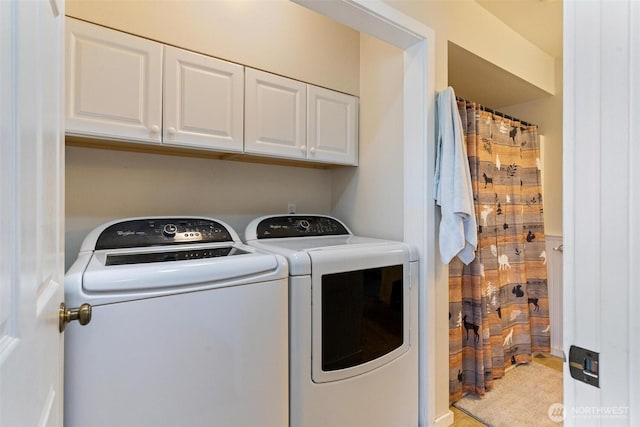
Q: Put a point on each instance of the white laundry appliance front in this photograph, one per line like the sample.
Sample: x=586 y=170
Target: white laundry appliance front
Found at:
x=189 y=328
x=353 y=316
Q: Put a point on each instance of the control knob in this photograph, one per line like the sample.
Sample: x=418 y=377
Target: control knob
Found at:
x=169 y=230
x=303 y=224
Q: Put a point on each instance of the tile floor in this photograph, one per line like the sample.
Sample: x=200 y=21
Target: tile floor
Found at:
x=460 y=419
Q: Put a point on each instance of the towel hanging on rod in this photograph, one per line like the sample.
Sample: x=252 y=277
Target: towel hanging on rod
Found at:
x=497 y=113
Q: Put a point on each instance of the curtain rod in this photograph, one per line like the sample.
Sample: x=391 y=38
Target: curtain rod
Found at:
x=497 y=113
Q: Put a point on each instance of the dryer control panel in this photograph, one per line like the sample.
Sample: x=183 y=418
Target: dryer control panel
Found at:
x=299 y=226
x=162 y=231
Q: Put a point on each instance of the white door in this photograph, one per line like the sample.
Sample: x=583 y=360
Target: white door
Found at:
x=203 y=101
x=332 y=123
x=31 y=212
x=275 y=115
x=601 y=173
x=114 y=83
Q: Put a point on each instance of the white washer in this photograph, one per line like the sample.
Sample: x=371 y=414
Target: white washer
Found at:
x=353 y=305
x=189 y=328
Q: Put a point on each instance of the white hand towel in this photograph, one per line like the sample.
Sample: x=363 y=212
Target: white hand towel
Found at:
x=453 y=192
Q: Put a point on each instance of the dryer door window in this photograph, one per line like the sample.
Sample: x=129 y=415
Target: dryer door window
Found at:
x=361 y=316
x=360 y=304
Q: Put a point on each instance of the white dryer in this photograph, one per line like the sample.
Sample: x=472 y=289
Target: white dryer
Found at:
x=189 y=328
x=353 y=310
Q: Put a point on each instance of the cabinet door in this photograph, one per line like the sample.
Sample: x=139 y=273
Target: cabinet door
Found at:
x=332 y=126
x=203 y=101
x=114 y=84
x=275 y=115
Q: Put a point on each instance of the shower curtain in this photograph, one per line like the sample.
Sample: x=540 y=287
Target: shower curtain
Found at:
x=498 y=304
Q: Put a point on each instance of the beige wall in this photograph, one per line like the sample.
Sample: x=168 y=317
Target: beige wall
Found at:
x=102 y=185
x=273 y=35
x=547 y=114
x=470 y=26
x=370 y=197
x=290 y=40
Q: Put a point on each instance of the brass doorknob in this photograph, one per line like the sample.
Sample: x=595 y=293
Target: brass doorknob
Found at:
x=82 y=314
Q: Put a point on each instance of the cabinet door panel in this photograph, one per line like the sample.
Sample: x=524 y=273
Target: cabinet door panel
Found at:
x=275 y=115
x=114 y=83
x=203 y=101
x=332 y=126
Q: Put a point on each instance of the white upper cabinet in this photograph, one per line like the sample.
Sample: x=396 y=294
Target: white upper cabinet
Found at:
x=114 y=84
x=203 y=101
x=332 y=126
x=116 y=89
x=127 y=88
x=291 y=119
x=275 y=115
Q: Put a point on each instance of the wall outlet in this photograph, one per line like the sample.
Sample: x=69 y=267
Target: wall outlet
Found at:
x=291 y=208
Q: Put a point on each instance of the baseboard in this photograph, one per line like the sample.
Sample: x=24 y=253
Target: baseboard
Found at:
x=445 y=420
x=558 y=352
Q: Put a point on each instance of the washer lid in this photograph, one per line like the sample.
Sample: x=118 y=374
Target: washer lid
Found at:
x=139 y=258
x=103 y=276
x=92 y=280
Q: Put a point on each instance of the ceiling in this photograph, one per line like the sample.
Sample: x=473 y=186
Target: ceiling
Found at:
x=539 y=21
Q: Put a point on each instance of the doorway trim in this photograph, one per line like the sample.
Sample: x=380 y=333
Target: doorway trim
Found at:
x=382 y=21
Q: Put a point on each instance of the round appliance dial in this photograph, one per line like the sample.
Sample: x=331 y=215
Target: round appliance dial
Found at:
x=169 y=230
x=303 y=224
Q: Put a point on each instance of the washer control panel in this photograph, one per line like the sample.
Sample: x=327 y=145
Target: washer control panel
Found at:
x=299 y=226
x=162 y=231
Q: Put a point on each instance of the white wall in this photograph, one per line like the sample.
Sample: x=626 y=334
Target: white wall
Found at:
x=370 y=197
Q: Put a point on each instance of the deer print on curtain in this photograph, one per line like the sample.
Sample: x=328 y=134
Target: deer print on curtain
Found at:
x=498 y=304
